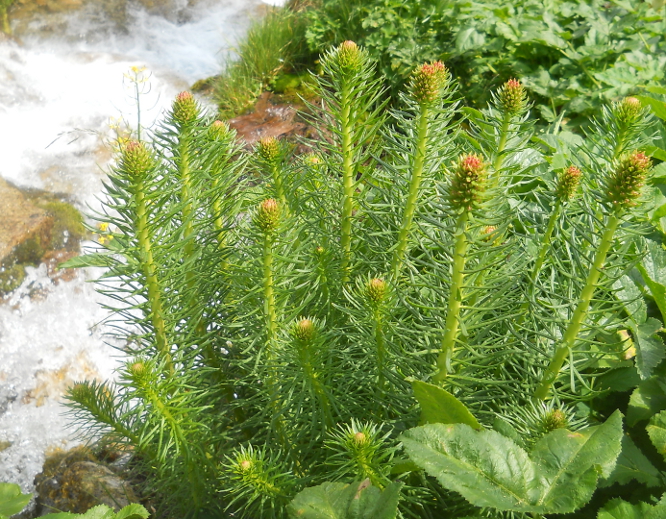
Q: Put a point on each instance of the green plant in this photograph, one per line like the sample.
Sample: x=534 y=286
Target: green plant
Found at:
x=281 y=312
x=573 y=61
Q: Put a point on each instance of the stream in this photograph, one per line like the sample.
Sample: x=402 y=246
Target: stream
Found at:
x=64 y=88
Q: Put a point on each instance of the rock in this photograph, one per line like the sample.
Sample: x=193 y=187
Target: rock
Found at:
x=75 y=481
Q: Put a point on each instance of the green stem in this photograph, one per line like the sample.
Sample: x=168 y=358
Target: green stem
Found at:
x=571 y=333
x=269 y=297
x=6 y=28
x=504 y=134
x=276 y=173
x=317 y=388
x=149 y=270
x=455 y=299
x=410 y=206
x=545 y=243
x=348 y=171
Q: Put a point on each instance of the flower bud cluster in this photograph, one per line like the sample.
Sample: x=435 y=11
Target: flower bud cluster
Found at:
x=185 y=109
x=468 y=182
x=628 y=111
x=554 y=419
x=304 y=330
x=623 y=186
x=270 y=150
x=513 y=98
x=567 y=183
x=218 y=130
x=349 y=56
x=139 y=372
x=376 y=290
x=136 y=159
x=268 y=215
x=428 y=82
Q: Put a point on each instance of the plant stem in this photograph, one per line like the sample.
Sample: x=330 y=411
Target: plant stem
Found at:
x=149 y=270
x=6 y=28
x=410 y=206
x=269 y=297
x=276 y=173
x=504 y=134
x=313 y=378
x=455 y=299
x=545 y=243
x=348 y=181
x=381 y=349
x=581 y=311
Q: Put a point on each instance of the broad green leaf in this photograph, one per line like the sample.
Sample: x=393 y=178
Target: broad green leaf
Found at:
x=133 y=511
x=646 y=400
x=346 y=501
x=657 y=106
x=650 y=349
x=655 y=152
x=630 y=295
x=489 y=470
x=440 y=406
x=656 y=430
x=618 y=509
x=619 y=380
x=469 y=39
x=632 y=464
x=12 y=501
x=656 y=89
x=658 y=173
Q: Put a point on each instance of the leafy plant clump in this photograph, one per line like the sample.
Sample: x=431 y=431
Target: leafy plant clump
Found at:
x=290 y=320
x=573 y=56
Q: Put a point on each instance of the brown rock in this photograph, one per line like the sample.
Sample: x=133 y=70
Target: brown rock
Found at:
x=75 y=481
x=20 y=219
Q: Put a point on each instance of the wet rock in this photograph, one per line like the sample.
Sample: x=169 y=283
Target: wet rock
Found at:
x=268 y=120
x=75 y=481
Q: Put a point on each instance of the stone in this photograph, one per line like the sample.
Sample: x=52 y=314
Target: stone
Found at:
x=75 y=481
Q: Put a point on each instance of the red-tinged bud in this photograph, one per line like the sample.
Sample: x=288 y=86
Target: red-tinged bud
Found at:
x=376 y=290
x=218 y=130
x=360 y=438
x=628 y=111
x=428 y=82
x=136 y=159
x=468 y=182
x=349 y=56
x=185 y=109
x=513 y=98
x=268 y=215
x=269 y=150
x=567 y=183
x=319 y=250
x=304 y=330
x=245 y=465
x=624 y=185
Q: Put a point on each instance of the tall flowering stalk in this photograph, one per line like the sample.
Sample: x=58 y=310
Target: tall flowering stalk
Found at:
x=426 y=88
x=621 y=190
x=512 y=103
x=468 y=183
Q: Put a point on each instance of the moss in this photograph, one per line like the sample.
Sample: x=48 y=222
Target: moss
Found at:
x=68 y=229
x=11 y=278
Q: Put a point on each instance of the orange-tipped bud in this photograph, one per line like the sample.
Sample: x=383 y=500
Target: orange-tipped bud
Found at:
x=360 y=438
x=269 y=150
x=513 y=97
x=624 y=185
x=268 y=215
x=304 y=330
x=468 y=182
x=428 y=82
x=218 y=130
x=567 y=183
x=349 y=56
x=628 y=110
x=185 y=109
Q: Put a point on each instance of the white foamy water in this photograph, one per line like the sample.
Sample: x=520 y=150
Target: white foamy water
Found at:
x=61 y=86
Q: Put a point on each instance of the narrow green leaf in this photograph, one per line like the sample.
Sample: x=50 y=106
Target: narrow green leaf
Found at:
x=89 y=260
x=440 y=406
x=656 y=430
x=12 y=501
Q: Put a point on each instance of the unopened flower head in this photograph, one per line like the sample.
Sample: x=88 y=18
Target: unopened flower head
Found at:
x=136 y=159
x=218 y=130
x=428 y=82
x=245 y=465
x=623 y=186
x=513 y=97
x=555 y=419
x=376 y=290
x=567 y=183
x=185 y=109
x=468 y=182
x=628 y=111
x=268 y=215
x=270 y=150
x=349 y=56
x=360 y=437
x=304 y=330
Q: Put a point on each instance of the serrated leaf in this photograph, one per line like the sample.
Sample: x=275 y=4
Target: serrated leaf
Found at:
x=346 y=501
x=646 y=400
x=489 y=470
x=656 y=430
x=630 y=295
x=133 y=511
x=440 y=406
x=12 y=501
x=650 y=349
x=632 y=464
x=618 y=509
x=658 y=107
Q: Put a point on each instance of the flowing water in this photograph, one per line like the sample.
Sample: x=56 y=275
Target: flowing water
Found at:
x=63 y=87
